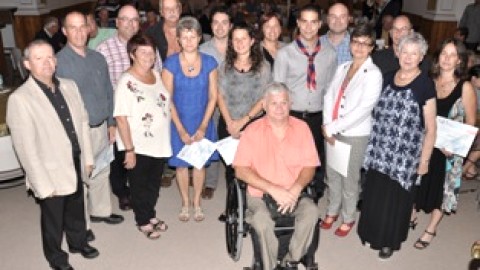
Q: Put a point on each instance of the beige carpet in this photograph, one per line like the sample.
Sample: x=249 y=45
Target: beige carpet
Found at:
x=202 y=245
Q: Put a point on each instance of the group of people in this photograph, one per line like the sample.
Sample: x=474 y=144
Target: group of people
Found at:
x=145 y=95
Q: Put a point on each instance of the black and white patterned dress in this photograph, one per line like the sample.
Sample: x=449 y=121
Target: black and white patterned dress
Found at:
x=391 y=161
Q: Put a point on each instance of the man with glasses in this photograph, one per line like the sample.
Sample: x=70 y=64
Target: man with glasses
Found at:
x=307 y=67
x=387 y=59
x=337 y=36
x=115 y=52
x=90 y=72
x=164 y=33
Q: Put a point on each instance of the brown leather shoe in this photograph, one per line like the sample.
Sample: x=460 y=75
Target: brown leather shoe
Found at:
x=166 y=180
x=207 y=193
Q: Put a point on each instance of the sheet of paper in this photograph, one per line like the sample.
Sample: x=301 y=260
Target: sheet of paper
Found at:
x=197 y=153
x=455 y=137
x=338 y=157
x=227 y=149
x=103 y=159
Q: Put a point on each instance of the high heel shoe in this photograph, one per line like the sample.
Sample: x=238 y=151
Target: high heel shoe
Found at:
x=422 y=244
x=327 y=225
x=413 y=224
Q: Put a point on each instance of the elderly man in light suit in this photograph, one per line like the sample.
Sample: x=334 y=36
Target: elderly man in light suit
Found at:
x=50 y=133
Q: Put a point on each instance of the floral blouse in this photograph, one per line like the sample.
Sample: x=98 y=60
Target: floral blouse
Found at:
x=147 y=109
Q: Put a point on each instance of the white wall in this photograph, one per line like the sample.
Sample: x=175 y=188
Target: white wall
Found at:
x=33 y=7
x=443 y=11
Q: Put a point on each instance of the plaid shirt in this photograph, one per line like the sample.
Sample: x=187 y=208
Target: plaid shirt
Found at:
x=342 y=49
x=118 y=61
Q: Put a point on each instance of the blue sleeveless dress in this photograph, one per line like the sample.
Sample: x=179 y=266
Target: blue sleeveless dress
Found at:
x=190 y=97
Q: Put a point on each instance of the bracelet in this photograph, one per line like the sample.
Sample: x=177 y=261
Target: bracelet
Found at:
x=130 y=150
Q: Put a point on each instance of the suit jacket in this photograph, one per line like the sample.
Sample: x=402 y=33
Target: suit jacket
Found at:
x=40 y=140
x=359 y=98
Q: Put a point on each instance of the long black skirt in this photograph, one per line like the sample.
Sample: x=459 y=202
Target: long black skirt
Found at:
x=385 y=213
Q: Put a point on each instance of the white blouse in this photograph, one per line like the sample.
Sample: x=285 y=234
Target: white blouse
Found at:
x=147 y=108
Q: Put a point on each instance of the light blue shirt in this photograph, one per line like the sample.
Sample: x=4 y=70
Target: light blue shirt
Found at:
x=342 y=49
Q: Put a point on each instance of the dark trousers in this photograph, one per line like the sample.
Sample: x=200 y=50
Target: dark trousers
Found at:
x=315 y=122
x=471 y=46
x=63 y=214
x=145 y=187
x=118 y=174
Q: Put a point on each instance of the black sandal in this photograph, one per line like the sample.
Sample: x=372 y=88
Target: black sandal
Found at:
x=422 y=244
x=151 y=233
x=413 y=223
x=159 y=224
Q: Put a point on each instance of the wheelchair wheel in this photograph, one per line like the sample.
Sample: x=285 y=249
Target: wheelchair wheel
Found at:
x=234 y=223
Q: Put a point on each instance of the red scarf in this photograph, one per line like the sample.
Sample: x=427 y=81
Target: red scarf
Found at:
x=311 y=81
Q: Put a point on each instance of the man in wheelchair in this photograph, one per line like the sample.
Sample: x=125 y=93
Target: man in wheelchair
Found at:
x=276 y=158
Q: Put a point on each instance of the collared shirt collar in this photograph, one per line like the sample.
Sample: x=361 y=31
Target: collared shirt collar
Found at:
x=344 y=41
x=56 y=83
x=70 y=50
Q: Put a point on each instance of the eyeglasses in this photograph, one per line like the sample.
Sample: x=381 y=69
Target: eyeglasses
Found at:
x=129 y=20
x=361 y=43
x=171 y=10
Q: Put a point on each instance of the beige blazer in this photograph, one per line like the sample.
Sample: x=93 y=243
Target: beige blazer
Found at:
x=40 y=140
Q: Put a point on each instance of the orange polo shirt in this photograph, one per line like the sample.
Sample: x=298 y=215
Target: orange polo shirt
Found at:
x=278 y=161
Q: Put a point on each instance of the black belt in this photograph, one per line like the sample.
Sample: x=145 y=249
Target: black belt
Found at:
x=97 y=125
x=305 y=114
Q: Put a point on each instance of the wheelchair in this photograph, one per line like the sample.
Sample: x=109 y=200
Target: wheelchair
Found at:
x=236 y=228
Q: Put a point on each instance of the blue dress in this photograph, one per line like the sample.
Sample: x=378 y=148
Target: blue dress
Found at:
x=190 y=97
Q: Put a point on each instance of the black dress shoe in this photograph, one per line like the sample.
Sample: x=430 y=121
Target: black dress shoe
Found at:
x=112 y=219
x=87 y=251
x=385 y=253
x=90 y=236
x=66 y=266
x=124 y=204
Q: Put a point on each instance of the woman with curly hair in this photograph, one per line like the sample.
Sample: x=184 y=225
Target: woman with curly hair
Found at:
x=242 y=78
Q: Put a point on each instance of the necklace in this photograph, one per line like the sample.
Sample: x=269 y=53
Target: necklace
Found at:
x=190 y=66
x=445 y=87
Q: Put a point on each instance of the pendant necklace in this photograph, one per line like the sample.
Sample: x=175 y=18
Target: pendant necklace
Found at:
x=190 y=67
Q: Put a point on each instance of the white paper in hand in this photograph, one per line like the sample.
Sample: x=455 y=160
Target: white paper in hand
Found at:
x=227 y=149
x=197 y=153
x=455 y=137
x=103 y=159
x=338 y=157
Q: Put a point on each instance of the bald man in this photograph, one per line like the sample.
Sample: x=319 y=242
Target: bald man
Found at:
x=387 y=59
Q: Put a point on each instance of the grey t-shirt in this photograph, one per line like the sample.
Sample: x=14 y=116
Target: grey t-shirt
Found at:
x=241 y=91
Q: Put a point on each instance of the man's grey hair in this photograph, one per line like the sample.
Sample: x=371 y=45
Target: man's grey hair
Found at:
x=275 y=88
x=190 y=24
x=160 y=4
x=35 y=43
x=416 y=39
